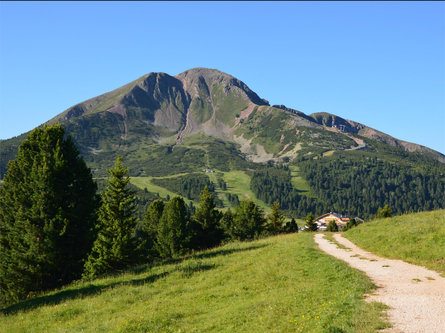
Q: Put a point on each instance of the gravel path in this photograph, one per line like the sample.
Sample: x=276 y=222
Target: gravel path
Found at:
x=415 y=295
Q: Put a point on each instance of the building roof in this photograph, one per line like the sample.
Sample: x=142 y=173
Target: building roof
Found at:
x=342 y=218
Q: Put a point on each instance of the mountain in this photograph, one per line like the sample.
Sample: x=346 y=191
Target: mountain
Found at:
x=204 y=119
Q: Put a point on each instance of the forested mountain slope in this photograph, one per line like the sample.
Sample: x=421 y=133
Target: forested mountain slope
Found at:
x=207 y=122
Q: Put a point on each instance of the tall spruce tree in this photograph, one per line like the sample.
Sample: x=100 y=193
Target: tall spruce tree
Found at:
x=115 y=246
x=175 y=231
x=208 y=217
x=47 y=214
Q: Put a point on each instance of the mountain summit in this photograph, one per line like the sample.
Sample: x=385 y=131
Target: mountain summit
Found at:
x=204 y=127
x=159 y=109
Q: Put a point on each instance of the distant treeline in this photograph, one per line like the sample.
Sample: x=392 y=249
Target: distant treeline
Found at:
x=355 y=184
x=359 y=185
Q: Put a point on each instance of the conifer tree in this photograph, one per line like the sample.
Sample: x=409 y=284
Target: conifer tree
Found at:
x=351 y=223
x=227 y=223
x=291 y=226
x=275 y=219
x=149 y=229
x=208 y=218
x=384 y=212
x=174 y=231
x=332 y=226
x=114 y=247
x=248 y=221
x=47 y=213
x=310 y=223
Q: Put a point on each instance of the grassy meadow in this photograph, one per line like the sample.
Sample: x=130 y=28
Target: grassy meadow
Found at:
x=238 y=182
x=277 y=284
x=415 y=238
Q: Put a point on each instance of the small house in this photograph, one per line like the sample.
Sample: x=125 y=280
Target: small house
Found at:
x=341 y=220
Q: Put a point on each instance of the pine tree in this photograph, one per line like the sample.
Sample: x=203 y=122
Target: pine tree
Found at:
x=332 y=226
x=174 y=231
x=276 y=219
x=47 y=211
x=148 y=231
x=248 y=221
x=310 y=223
x=384 y=212
x=208 y=218
x=114 y=248
x=291 y=226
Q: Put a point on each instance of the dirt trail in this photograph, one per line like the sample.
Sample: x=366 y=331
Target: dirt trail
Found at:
x=415 y=295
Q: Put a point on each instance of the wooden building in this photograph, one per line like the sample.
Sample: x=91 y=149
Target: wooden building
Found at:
x=341 y=220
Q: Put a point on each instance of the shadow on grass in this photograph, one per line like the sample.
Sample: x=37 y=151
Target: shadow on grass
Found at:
x=190 y=268
x=224 y=252
x=74 y=293
x=207 y=255
x=91 y=289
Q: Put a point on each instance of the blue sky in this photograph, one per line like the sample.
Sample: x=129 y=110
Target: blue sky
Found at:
x=378 y=63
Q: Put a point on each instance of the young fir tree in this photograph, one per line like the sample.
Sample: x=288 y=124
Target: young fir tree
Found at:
x=276 y=219
x=208 y=217
x=149 y=228
x=383 y=212
x=114 y=247
x=310 y=223
x=332 y=226
x=291 y=226
x=351 y=223
x=174 y=231
x=227 y=223
x=47 y=213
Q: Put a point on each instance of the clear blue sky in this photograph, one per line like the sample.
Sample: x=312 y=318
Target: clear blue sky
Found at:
x=378 y=63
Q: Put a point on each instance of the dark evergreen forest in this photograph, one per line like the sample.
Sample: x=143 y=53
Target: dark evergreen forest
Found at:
x=355 y=184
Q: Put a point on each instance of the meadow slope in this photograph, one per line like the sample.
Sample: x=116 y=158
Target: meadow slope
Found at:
x=415 y=238
x=278 y=284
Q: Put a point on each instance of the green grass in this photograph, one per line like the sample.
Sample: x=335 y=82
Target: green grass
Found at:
x=279 y=284
x=146 y=182
x=415 y=238
x=329 y=236
x=298 y=182
x=227 y=106
x=238 y=182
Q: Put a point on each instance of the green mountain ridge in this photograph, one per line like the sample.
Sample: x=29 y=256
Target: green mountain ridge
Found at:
x=204 y=119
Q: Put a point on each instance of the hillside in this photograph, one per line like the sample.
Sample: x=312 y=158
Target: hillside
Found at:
x=206 y=124
x=415 y=238
x=278 y=284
